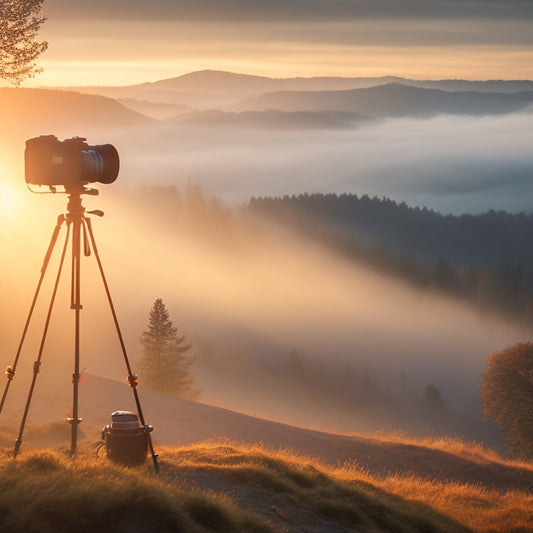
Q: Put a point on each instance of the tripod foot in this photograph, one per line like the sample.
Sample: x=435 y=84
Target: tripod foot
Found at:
x=16 y=449
x=156 y=464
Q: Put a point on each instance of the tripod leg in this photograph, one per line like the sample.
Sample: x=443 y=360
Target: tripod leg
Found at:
x=37 y=363
x=10 y=371
x=132 y=379
x=77 y=219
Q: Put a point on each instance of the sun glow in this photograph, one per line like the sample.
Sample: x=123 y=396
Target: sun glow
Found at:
x=7 y=201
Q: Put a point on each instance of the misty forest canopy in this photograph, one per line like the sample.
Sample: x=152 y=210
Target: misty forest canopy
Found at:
x=486 y=259
x=20 y=21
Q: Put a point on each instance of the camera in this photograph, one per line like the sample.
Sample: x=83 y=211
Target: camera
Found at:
x=71 y=163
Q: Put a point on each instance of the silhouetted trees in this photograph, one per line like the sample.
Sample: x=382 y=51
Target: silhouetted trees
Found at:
x=20 y=21
x=507 y=395
x=165 y=364
x=486 y=259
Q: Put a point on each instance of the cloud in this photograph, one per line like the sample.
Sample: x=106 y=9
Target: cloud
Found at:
x=164 y=38
x=292 y=10
x=307 y=21
x=451 y=164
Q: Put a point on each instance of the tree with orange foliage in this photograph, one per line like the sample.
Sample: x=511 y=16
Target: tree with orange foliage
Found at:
x=20 y=21
x=507 y=395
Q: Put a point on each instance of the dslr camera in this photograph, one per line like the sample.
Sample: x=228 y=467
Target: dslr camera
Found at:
x=71 y=163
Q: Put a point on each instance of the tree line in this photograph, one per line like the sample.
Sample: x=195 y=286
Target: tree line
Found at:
x=485 y=259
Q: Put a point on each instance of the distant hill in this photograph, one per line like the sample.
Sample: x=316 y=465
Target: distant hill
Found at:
x=40 y=111
x=391 y=100
x=215 y=81
x=216 y=89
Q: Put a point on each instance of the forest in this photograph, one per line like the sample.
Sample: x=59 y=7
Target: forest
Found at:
x=485 y=259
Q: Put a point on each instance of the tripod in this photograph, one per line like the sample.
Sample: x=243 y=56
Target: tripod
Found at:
x=77 y=225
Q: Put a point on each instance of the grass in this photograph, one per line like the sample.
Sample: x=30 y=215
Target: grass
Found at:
x=230 y=487
x=47 y=492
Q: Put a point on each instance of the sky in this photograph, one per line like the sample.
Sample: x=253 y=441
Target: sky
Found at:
x=131 y=41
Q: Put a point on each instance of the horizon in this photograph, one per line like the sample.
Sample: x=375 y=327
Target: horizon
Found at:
x=245 y=74
x=100 y=43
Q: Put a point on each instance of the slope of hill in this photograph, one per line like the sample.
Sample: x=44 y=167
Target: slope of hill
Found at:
x=38 y=111
x=486 y=239
x=294 y=480
x=391 y=100
x=484 y=259
x=202 y=489
x=180 y=422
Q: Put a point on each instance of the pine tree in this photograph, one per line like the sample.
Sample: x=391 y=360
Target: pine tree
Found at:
x=165 y=364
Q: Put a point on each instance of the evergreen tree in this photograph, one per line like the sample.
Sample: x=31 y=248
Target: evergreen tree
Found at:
x=165 y=364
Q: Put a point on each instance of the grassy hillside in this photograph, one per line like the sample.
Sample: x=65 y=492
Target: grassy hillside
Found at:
x=229 y=487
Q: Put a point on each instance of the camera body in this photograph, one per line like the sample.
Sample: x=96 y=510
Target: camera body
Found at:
x=71 y=163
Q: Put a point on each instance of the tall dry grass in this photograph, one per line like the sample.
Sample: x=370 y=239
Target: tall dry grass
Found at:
x=239 y=487
x=346 y=493
x=45 y=491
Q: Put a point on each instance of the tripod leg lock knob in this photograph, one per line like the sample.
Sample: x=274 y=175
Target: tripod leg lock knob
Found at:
x=10 y=373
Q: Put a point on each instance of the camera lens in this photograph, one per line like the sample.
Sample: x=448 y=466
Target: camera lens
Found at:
x=100 y=163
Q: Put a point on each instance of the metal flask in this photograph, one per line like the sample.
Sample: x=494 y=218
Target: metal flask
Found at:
x=125 y=439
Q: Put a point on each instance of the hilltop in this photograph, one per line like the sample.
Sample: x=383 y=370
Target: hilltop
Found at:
x=37 y=111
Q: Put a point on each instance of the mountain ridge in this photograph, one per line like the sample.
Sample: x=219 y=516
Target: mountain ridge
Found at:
x=210 y=76
x=392 y=99
x=216 y=89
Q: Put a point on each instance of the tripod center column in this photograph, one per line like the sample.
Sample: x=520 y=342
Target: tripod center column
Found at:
x=75 y=217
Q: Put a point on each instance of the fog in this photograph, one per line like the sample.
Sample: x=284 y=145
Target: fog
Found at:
x=450 y=164
x=281 y=328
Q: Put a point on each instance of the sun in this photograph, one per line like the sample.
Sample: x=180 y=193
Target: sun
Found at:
x=7 y=201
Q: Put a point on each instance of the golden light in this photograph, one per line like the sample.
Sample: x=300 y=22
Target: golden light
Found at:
x=7 y=201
